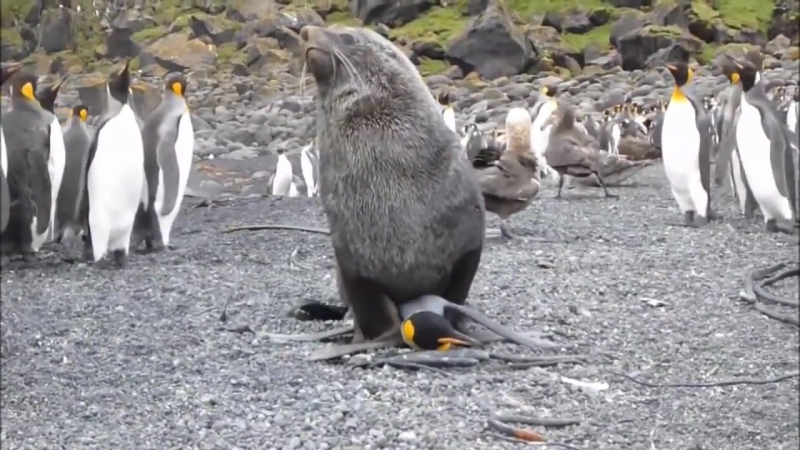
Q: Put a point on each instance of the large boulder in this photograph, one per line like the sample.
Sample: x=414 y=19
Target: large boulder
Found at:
x=641 y=48
x=178 y=52
x=390 y=12
x=491 y=45
x=785 y=17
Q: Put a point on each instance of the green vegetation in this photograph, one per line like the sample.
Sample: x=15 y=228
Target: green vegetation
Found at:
x=437 y=25
x=10 y=37
x=149 y=34
x=599 y=36
x=343 y=18
x=745 y=13
x=671 y=30
x=432 y=67
x=13 y=9
x=228 y=54
x=527 y=8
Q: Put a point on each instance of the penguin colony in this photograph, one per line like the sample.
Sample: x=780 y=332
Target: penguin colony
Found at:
x=118 y=184
x=123 y=182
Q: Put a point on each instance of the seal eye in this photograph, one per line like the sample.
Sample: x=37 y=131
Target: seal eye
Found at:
x=347 y=39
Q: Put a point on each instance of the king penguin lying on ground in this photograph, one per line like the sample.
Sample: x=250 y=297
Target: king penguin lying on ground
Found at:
x=168 y=138
x=27 y=134
x=115 y=183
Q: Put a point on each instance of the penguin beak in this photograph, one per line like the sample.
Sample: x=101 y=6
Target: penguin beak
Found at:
x=446 y=343
x=59 y=82
x=672 y=68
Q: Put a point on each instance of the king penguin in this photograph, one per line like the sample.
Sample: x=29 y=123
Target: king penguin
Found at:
x=729 y=160
x=282 y=179
x=448 y=113
x=55 y=164
x=767 y=148
x=685 y=146
x=27 y=132
x=308 y=163
x=6 y=71
x=76 y=143
x=114 y=176
x=168 y=138
x=544 y=107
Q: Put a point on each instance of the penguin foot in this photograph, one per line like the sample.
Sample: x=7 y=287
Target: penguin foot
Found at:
x=504 y=233
x=773 y=226
x=120 y=259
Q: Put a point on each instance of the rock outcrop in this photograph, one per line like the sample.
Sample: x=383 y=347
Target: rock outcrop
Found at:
x=442 y=36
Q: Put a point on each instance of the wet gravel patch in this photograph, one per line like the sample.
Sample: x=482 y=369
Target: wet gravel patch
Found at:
x=139 y=359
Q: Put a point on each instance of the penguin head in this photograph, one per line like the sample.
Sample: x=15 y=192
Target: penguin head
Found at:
x=119 y=83
x=549 y=91
x=747 y=72
x=23 y=87
x=8 y=70
x=79 y=112
x=176 y=84
x=444 y=98
x=681 y=72
x=428 y=330
x=47 y=95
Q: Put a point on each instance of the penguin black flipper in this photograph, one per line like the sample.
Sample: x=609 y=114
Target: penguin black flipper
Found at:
x=168 y=163
x=5 y=202
x=39 y=182
x=725 y=149
x=703 y=127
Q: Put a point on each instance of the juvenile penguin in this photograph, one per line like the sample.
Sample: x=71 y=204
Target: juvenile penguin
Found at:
x=448 y=113
x=404 y=208
x=115 y=181
x=168 y=140
x=685 y=147
x=308 y=164
x=767 y=149
x=57 y=160
x=282 y=179
x=27 y=132
x=510 y=183
x=6 y=71
x=76 y=142
x=572 y=152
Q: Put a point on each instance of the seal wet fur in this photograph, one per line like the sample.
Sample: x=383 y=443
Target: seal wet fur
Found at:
x=404 y=208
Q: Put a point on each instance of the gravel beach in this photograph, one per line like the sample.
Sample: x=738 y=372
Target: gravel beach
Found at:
x=139 y=359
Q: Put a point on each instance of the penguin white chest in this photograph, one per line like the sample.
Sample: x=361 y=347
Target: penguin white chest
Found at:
x=680 y=144
x=540 y=138
x=615 y=135
x=450 y=118
x=55 y=166
x=680 y=140
x=791 y=116
x=115 y=182
x=184 y=152
x=308 y=172
x=3 y=155
x=283 y=176
x=754 y=153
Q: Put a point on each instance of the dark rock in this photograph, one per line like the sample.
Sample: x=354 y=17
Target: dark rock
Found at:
x=394 y=13
x=430 y=50
x=547 y=42
x=624 y=25
x=249 y=10
x=635 y=4
x=16 y=49
x=132 y=19
x=278 y=27
x=120 y=45
x=57 y=30
x=599 y=17
x=637 y=47
x=574 y=21
x=785 y=17
x=491 y=45
x=202 y=25
x=475 y=7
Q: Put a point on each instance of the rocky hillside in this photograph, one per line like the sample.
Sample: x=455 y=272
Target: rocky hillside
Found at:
x=492 y=38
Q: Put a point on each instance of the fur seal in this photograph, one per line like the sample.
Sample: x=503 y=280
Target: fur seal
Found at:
x=404 y=208
x=510 y=183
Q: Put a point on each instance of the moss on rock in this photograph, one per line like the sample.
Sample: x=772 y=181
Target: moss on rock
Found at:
x=432 y=66
x=437 y=25
x=599 y=36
